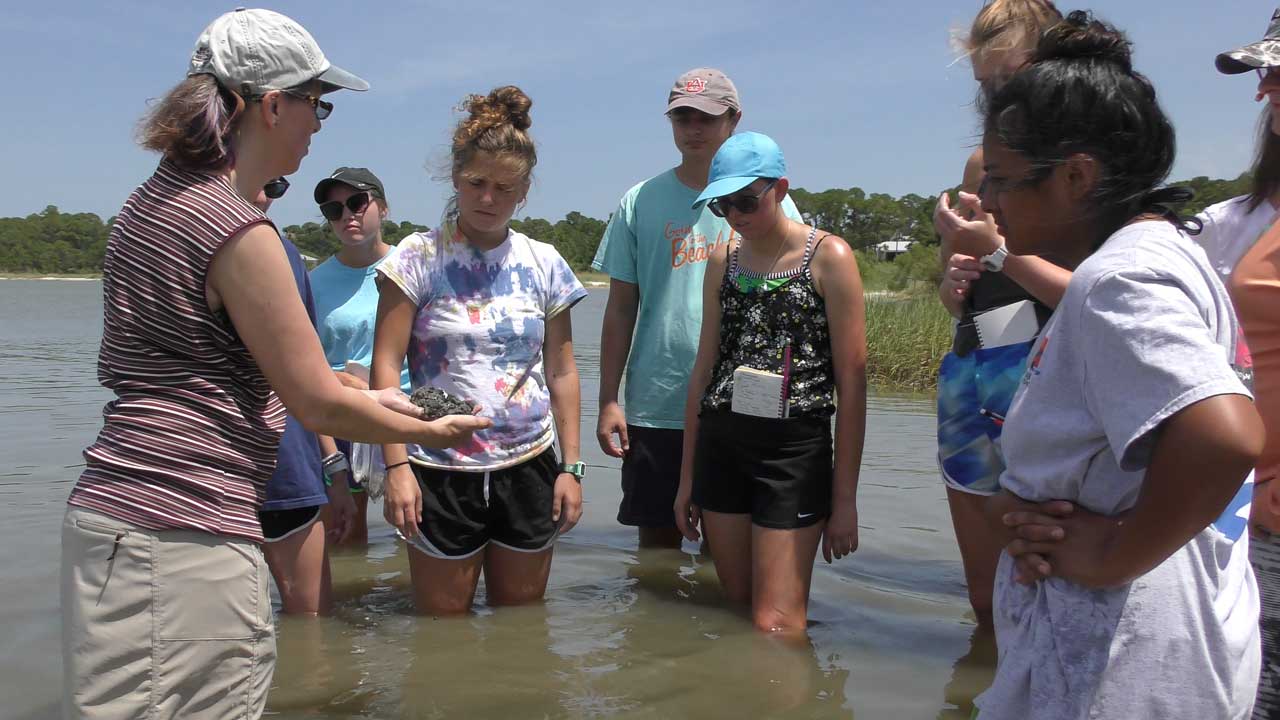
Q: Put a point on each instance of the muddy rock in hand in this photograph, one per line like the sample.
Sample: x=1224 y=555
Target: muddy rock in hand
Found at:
x=438 y=403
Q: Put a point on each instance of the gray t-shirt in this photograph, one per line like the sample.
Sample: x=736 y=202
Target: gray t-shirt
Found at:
x=1145 y=330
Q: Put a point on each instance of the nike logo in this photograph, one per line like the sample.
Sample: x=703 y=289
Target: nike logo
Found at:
x=802 y=516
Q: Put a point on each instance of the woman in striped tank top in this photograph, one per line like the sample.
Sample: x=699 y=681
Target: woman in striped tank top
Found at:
x=165 y=604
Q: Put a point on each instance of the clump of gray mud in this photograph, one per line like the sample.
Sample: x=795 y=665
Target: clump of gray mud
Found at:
x=438 y=403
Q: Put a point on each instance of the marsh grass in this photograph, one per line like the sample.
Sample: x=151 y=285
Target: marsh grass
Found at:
x=907 y=335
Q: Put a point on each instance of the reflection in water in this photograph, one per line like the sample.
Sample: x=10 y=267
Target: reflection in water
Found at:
x=326 y=675
x=971 y=675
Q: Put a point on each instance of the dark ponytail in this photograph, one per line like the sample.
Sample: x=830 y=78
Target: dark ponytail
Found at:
x=1266 y=163
x=1081 y=95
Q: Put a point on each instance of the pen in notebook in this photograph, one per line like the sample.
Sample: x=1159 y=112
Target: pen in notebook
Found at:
x=996 y=417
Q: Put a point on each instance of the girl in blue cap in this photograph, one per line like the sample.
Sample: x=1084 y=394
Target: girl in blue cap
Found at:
x=773 y=357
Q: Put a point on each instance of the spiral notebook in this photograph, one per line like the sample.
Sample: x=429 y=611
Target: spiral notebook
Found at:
x=760 y=393
x=1014 y=323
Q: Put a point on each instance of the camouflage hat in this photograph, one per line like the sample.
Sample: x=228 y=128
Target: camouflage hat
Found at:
x=1263 y=54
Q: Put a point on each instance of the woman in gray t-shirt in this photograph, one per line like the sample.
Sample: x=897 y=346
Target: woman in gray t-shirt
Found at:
x=1125 y=590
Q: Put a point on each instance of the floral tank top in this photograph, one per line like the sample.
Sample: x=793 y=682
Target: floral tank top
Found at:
x=776 y=323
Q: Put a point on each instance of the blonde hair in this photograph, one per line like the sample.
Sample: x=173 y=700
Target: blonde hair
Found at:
x=497 y=123
x=1004 y=25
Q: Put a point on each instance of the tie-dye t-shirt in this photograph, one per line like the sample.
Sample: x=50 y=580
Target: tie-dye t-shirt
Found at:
x=478 y=333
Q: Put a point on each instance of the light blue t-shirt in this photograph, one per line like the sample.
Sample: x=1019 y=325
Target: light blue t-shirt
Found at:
x=346 y=310
x=654 y=240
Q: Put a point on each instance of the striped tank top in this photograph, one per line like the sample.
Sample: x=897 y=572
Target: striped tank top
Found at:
x=191 y=436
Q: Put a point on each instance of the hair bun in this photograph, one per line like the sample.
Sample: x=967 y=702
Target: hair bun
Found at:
x=515 y=105
x=1081 y=36
x=507 y=105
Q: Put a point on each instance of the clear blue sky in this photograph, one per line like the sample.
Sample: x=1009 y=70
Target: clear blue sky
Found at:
x=860 y=93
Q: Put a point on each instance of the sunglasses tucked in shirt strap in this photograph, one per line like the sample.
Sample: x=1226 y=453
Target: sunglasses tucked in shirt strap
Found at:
x=276 y=188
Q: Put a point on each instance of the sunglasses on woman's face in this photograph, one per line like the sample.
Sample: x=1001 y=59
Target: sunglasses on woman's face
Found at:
x=322 y=107
x=332 y=210
x=276 y=188
x=745 y=204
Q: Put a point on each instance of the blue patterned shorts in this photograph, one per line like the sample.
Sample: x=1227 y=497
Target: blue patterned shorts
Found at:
x=974 y=393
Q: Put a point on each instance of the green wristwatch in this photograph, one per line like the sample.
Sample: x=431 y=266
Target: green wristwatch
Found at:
x=578 y=470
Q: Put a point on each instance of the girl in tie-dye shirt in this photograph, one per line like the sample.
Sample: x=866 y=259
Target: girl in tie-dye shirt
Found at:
x=481 y=311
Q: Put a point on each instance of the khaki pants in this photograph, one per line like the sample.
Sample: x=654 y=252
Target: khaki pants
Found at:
x=162 y=624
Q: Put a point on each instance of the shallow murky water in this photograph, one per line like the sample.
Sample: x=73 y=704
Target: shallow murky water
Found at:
x=622 y=633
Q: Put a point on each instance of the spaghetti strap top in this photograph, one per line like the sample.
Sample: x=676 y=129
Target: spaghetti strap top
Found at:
x=776 y=322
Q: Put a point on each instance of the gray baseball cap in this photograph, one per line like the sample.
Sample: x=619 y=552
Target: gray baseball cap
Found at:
x=256 y=51
x=1263 y=54
x=705 y=89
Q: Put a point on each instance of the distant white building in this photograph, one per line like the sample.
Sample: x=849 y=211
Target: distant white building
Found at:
x=890 y=249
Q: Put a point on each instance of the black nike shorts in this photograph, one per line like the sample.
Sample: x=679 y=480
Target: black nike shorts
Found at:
x=778 y=470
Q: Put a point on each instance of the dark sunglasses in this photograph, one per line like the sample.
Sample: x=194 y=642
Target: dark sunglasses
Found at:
x=276 y=188
x=332 y=210
x=323 y=109
x=745 y=204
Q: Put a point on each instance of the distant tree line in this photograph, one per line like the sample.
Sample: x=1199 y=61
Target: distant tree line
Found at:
x=56 y=242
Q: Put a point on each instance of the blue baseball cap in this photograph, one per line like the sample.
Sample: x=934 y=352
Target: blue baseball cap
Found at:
x=740 y=161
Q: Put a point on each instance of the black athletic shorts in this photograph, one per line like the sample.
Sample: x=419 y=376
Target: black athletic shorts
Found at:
x=777 y=470
x=650 y=477
x=464 y=511
x=280 y=524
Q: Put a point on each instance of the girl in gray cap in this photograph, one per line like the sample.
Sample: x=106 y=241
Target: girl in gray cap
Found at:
x=165 y=605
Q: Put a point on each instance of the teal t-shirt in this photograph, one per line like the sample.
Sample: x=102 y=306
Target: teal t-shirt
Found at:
x=654 y=240
x=346 y=310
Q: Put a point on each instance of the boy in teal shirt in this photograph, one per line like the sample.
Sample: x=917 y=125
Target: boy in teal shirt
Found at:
x=654 y=251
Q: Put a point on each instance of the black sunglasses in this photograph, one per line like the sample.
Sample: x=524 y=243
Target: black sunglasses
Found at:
x=276 y=188
x=323 y=109
x=745 y=204
x=332 y=210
